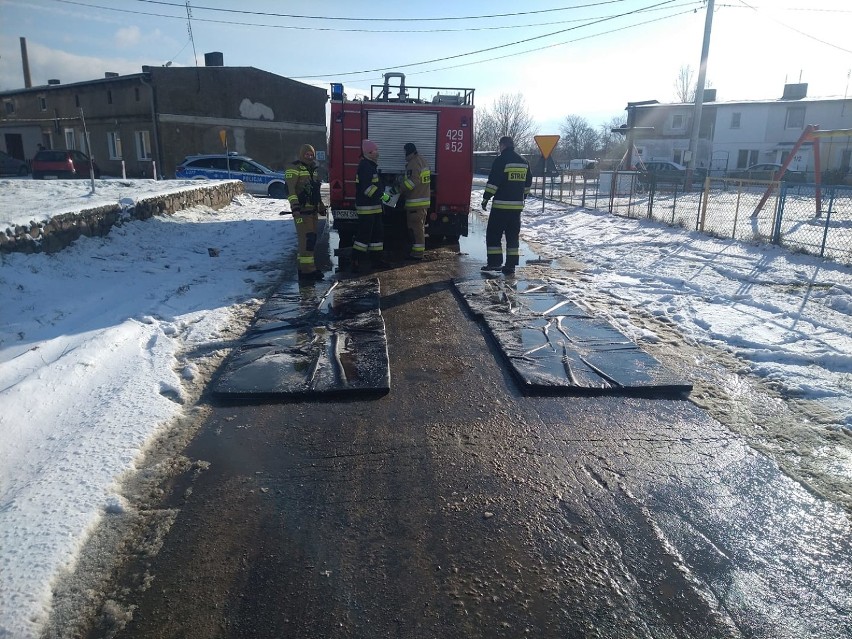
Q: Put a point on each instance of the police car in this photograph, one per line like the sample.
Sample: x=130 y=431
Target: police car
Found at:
x=259 y=179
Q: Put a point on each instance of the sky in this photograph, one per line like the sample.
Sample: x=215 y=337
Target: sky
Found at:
x=587 y=58
x=105 y=346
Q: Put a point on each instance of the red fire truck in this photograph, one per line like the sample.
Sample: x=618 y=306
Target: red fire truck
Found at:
x=439 y=121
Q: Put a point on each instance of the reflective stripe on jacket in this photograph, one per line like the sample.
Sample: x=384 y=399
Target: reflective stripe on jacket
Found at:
x=368 y=195
x=509 y=181
x=417 y=180
x=303 y=185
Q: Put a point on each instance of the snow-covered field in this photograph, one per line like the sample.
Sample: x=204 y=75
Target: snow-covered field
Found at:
x=102 y=346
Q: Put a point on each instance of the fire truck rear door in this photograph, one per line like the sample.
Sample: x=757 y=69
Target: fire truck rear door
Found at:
x=392 y=129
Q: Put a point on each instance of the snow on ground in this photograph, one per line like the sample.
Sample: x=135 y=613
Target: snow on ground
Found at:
x=101 y=346
x=26 y=200
x=786 y=317
x=106 y=343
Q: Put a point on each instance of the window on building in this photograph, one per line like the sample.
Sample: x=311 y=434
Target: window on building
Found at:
x=42 y=103
x=77 y=101
x=746 y=157
x=677 y=122
x=10 y=106
x=143 y=145
x=70 y=139
x=677 y=156
x=114 y=144
x=795 y=118
x=136 y=92
x=735 y=120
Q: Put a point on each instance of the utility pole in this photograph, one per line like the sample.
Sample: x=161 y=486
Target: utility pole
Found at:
x=699 y=95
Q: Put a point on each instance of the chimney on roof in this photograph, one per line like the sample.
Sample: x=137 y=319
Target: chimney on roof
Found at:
x=709 y=95
x=110 y=74
x=26 y=62
x=53 y=82
x=214 y=59
x=795 y=91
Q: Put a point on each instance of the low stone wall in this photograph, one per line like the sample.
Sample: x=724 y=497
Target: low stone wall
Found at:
x=58 y=232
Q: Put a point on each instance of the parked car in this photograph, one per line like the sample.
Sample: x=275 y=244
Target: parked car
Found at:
x=57 y=163
x=12 y=166
x=767 y=171
x=259 y=179
x=580 y=164
x=668 y=173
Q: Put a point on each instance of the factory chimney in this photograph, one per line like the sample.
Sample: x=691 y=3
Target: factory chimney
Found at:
x=26 y=62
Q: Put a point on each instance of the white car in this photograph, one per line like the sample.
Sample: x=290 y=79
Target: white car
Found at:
x=259 y=179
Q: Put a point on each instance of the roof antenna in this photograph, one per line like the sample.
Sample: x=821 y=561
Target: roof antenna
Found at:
x=191 y=39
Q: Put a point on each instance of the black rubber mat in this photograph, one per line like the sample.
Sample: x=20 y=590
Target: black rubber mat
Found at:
x=553 y=344
x=312 y=340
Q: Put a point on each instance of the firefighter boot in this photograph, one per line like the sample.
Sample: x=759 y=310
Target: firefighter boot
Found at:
x=378 y=263
x=313 y=276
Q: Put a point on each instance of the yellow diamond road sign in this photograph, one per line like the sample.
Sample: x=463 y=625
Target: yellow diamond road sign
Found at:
x=546 y=143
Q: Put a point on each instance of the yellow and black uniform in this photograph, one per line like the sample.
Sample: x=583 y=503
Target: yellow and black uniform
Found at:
x=416 y=186
x=508 y=183
x=369 y=196
x=303 y=183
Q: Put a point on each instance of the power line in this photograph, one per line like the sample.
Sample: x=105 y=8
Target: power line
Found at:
x=494 y=48
x=445 y=18
x=379 y=19
x=557 y=44
x=336 y=29
x=592 y=21
x=787 y=26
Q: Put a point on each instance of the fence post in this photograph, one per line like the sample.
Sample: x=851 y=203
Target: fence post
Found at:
x=779 y=213
x=827 y=220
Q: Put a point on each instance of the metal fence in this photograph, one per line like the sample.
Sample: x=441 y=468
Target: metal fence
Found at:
x=799 y=217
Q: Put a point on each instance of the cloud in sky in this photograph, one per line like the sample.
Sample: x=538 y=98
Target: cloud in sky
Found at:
x=128 y=37
x=47 y=63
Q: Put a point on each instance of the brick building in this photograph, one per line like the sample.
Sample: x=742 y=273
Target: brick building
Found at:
x=165 y=113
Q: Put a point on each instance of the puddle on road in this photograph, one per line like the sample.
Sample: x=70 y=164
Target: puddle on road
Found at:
x=471 y=249
x=473 y=246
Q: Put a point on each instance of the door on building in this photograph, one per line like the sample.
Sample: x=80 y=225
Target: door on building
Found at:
x=15 y=145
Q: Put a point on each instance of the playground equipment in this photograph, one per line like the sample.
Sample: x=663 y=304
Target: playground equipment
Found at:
x=813 y=134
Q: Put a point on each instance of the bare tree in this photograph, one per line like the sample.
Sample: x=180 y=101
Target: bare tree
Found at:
x=485 y=133
x=684 y=88
x=508 y=115
x=612 y=145
x=579 y=139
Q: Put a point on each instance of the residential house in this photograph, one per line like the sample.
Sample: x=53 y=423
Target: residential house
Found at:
x=734 y=135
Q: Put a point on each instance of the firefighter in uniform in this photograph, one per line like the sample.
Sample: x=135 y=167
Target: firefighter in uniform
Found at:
x=415 y=185
x=303 y=183
x=509 y=184
x=369 y=197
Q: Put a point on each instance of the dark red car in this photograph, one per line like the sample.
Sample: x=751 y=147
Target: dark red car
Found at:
x=54 y=163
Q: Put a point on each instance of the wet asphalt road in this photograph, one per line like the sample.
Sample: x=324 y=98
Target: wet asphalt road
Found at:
x=455 y=506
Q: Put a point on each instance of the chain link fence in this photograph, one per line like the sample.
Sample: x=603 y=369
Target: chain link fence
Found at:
x=799 y=217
